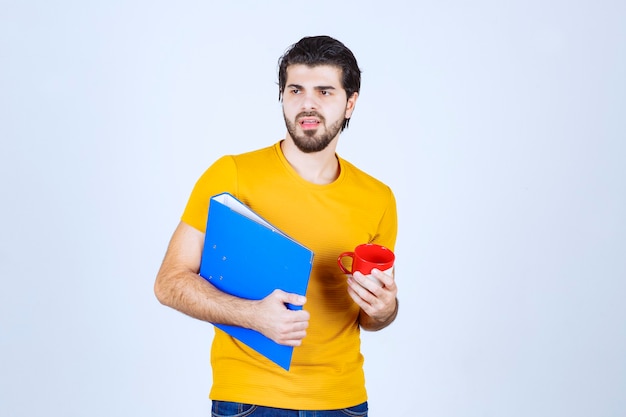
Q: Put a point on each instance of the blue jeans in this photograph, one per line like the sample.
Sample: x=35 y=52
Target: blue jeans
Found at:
x=228 y=409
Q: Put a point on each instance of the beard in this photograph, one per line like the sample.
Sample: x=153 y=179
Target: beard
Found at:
x=310 y=140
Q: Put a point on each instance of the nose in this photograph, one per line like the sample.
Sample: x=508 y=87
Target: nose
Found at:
x=309 y=101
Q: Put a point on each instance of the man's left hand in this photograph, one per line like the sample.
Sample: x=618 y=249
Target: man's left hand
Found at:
x=376 y=297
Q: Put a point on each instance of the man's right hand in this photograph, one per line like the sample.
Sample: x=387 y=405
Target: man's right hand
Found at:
x=179 y=286
x=272 y=318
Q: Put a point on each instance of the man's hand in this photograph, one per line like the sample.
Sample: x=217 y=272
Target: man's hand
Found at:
x=272 y=318
x=377 y=299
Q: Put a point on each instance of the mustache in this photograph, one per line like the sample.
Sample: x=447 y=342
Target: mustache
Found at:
x=310 y=114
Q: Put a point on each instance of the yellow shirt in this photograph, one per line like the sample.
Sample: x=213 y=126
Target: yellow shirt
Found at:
x=327 y=369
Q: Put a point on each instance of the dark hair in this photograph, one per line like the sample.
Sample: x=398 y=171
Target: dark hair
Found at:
x=321 y=50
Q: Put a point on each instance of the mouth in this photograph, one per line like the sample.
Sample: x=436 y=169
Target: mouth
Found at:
x=307 y=123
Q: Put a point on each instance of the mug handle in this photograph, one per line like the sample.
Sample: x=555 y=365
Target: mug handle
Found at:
x=343 y=268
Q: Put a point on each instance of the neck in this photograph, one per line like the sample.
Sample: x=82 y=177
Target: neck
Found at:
x=317 y=167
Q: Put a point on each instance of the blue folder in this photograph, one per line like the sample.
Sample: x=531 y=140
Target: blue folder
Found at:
x=249 y=258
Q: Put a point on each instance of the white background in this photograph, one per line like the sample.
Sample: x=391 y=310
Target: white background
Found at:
x=500 y=126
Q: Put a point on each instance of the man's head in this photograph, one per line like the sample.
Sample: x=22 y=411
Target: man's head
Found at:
x=322 y=50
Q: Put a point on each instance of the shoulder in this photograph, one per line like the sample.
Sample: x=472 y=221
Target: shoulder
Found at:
x=261 y=163
x=256 y=155
x=362 y=179
x=229 y=164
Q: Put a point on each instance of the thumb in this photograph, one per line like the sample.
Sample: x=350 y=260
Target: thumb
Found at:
x=290 y=298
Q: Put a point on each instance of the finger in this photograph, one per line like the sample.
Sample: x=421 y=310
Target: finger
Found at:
x=358 y=299
x=296 y=300
x=372 y=298
x=360 y=293
x=293 y=338
x=290 y=298
x=295 y=341
x=385 y=278
x=300 y=318
x=368 y=283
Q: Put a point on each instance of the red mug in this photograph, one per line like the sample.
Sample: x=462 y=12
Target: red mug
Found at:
x=367 y=257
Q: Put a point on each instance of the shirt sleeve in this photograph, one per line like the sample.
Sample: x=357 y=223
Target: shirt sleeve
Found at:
x=218 y=178
x=388 y=226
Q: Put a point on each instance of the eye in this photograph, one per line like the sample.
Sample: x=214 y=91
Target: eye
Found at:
x=295 y=91
x=325 y=92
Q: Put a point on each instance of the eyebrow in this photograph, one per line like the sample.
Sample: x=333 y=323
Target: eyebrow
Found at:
x=318 y=88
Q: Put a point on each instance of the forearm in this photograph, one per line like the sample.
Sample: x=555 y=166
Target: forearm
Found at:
x=371 y=324
x=179 y=286
x=192 y=295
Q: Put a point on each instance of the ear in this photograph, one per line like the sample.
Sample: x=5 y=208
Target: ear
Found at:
x=350 y=104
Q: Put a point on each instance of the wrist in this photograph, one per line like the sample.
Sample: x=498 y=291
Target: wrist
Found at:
x=393 y=315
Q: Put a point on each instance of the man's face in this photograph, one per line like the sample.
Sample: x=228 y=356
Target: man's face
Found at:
x=315 y=105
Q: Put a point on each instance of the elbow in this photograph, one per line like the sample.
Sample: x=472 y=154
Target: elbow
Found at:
x=160 y=290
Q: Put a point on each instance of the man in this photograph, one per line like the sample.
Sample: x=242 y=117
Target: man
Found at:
x=302 y=187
